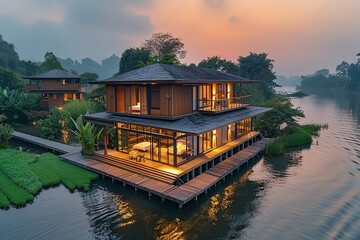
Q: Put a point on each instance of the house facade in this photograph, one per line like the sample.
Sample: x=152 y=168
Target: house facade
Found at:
x=174 y=114
x=56 y=86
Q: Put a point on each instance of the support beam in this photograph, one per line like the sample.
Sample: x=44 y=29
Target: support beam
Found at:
x=105 y=140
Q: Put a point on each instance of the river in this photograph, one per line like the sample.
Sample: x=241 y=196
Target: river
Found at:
x=311 y=193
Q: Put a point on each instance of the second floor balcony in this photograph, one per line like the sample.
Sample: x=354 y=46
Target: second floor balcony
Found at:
x=223 y=105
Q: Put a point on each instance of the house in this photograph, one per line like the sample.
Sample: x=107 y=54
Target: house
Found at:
x=175 y=115
x=56 y=86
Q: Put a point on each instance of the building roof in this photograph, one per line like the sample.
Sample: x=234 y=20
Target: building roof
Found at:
x=166 y=72
x=53 y=74
x=195 y=124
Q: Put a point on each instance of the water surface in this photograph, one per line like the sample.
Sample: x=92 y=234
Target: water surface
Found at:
x=311 y=193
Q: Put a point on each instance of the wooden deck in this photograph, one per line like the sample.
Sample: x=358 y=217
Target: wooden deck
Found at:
x=160 y=179
x=45 y=143
x=179 y=194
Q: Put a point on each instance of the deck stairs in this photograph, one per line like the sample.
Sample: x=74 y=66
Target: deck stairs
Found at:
x=136 y=167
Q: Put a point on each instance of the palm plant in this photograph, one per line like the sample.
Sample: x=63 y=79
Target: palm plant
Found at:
x=87 y=134
x=5 y=134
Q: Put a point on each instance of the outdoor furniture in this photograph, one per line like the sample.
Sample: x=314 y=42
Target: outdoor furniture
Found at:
x=140 y=157
x=133 y=154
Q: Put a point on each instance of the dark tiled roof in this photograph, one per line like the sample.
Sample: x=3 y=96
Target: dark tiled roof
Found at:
x=53 y=74
x=196 y=124
x=167 y=72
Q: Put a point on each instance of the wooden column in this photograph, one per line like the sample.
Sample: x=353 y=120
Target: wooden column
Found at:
x=105 y=141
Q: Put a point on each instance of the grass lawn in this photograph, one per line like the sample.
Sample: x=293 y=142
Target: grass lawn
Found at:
x=23 y=175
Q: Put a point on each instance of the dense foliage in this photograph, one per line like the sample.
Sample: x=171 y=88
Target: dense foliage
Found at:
x=52 y=126
x=259 y=67
x=15 y=104
x=8 y=56
x=281 y=117
x=220 y=64
x=9 y=79
x=347 y=77
x=5 y=134
x=133 y=58
x=50 y=63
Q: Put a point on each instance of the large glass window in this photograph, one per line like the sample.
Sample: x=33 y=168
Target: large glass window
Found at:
x=243 y=127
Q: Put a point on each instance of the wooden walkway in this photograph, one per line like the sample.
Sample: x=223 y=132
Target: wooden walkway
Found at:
x=179 y=194
x=45 y=143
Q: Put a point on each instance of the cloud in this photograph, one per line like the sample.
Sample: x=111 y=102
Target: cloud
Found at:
x=215 y=3
x=233 y=19
x=93 y=29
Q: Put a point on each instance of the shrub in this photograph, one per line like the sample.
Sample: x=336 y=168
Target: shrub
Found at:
x=275 y=148
x=52 y=126
x=74 y=109
x=5 y=134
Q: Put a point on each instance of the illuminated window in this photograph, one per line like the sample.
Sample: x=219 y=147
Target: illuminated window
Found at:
x=63 y=82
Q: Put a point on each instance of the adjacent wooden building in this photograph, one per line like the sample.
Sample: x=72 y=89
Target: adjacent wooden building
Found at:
x=56 y=86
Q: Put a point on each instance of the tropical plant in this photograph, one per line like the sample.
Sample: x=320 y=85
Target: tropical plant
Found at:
x=15 y=104
x=5 y=134
x=74 y=109
x=281 y=116
x=10 y=79
x=52 y=126
x=87 y=134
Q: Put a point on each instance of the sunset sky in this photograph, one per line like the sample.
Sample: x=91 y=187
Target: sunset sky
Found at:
x=301 y=36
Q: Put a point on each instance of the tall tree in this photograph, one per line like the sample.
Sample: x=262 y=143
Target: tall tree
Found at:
x=89 y=77
x=342 y=68
x=164 y=44
x=27 y=68
x=50 y=63
x=9 y=79
x=259 y=67
x=8 y=56
x=217 y=63
x=133 y=58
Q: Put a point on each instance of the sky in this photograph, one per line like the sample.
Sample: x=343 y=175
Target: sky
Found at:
x=300 y=36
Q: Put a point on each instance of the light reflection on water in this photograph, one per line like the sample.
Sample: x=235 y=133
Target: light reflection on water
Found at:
x=310 y=193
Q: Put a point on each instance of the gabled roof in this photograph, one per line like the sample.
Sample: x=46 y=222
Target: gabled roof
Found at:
x=195 y=124
x=53 y=74
x=166 y=72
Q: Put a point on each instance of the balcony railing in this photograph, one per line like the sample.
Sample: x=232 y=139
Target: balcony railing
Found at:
x=226 y=104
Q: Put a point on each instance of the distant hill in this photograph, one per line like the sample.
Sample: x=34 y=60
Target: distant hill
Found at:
x=106 y=69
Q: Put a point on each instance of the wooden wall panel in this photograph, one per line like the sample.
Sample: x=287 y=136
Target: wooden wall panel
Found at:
x=110 y=99
x=120 y=99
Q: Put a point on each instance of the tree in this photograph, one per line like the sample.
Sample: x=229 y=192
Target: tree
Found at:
x=354 y=75
x=164 y=44
x=133 y=58
x=259 y=67
x=324 y=72
x=8 y=56
x=89 y=77
x=217 y=63
x=282 y=116
x=9 y=79
x=50 y=63
x=167 y=59
x=27 y=68
x=342 y=68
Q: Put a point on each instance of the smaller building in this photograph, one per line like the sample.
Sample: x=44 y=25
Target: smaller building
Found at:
x=56 y=86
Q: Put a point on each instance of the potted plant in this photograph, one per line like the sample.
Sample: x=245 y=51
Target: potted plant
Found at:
x=87 y=134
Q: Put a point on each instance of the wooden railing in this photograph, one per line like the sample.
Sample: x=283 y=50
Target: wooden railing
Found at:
x=220 y=105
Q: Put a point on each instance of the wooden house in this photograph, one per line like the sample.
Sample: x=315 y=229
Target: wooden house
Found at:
x=174 y=115
x=56 y=86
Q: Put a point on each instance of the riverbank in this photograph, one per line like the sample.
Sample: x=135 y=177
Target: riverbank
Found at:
x=23 y=175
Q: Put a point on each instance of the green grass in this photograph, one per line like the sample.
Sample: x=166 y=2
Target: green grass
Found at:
x=4 y=202
x=15 y=194
x=293 y=138
x=13 y=165
x=73 y=177
x=22 y=175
